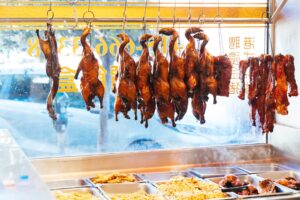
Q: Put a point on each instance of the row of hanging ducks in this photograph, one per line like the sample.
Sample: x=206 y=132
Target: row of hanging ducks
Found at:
x=166 y=85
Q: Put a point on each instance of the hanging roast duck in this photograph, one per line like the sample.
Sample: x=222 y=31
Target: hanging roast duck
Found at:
x=91 y=86
x=49 y=48
x=125 y=81
x=165 y=106
x=176 y=75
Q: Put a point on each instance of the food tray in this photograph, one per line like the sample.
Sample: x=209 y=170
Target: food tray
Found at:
x=162 y=176
x=95 y=192
x=254 y=180
x=207 y=172
x=90 y=182
x=259 y=168
x=242 y=178
x=231 y=195
x=280 y=175
x=67 y=184
x=127 y=188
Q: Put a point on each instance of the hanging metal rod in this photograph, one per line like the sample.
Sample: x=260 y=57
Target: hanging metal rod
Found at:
x=136 y=20
x=278 y=10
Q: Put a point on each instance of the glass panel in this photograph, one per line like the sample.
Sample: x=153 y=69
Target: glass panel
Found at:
x=24 y=88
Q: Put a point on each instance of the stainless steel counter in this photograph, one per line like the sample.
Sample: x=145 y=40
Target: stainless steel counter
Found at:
x=18 y=178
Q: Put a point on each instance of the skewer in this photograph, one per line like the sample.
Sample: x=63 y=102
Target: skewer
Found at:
x=153 y=20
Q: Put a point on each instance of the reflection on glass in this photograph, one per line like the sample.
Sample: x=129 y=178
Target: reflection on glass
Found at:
x=24 y=87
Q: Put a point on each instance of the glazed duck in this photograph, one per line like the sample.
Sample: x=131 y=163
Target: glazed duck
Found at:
x=281 y=89
x=125 y=81
x=144 y=83
x=208 y=83
x=176 y=75
x=223 y=71
x=243 y=66
x=191 y=64
x=290 y=75
x=91 y=86
x=49 y=49
x=165 y=107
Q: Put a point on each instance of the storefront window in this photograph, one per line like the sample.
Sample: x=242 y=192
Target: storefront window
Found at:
x=24 y=88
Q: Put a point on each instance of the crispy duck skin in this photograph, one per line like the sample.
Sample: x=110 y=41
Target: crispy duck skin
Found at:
x=91 y=86
x=243 y=66
x=262 y=86
x=290 y=75
x=281 y=85
x=165 y=107
x=223 y=69
x=191 y=64
x=144 y=83
x=127 y=67
x=267 y=186
x=125 y=81
x=206 y=61
x=161 y=73
x=176 y=76
x=49 y=49
x=270 y=105
x=121 y=107
x=253 y=87
x=199 y=106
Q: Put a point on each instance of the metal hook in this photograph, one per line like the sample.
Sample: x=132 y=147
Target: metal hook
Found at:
x=190 y=14
x=174 y=13
x=73 y=3
x=90 y=19
x=124 y=16
x=50 y=15
x=144 y=17
x=158 y=17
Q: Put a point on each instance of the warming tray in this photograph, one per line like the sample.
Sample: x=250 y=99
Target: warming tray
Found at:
x=280 y=175
x=259 y=168
x=162 y=176
x=90 y=182
x=207 y=172
x=231 y=195
x=66 y=184
x=96 y=195
x=254 y=180
x=127 y=188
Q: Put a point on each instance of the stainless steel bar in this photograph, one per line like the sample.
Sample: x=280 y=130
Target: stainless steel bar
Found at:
x=278 y=10
x=135 y=20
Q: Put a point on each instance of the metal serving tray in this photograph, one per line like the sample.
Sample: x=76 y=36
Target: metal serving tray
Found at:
x=95 y=192
x=231 y=195
x=259 y=168
x=90 y=182
x=254 y=180
x=162 y=176
x=66 y=184
x=280 y=175
x=207 y=172
x=242 y=178
x=127 y=188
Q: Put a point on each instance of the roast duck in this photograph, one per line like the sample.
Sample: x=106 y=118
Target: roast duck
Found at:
x=169 y=84
x=146 y=100
x=178 y=87
x=90 y=85
x=125 y=81
x=268 y=88
x=49 y=49
x=165 y=107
